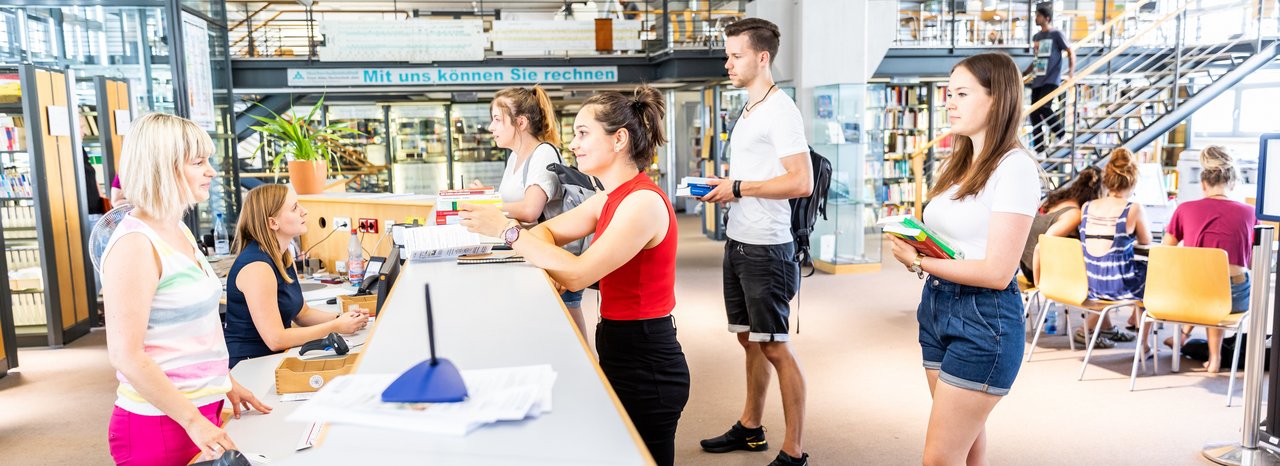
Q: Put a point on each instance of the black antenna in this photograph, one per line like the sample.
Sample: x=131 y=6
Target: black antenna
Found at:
x=431 y=326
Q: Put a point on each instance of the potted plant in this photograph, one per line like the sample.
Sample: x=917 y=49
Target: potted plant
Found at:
x=303 y=145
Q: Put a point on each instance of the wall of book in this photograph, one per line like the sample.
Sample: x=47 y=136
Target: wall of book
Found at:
x=906 y=124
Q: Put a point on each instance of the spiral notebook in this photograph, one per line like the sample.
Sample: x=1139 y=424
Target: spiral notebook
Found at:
x=489 y=258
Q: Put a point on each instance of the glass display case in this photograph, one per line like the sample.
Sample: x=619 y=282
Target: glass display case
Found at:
x=370 y=142
x=474 y=154
x=419 y=148
x=847 y=131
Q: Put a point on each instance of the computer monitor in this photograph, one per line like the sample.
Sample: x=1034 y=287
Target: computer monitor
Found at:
x=388 y=275
x=1267 y=201
x=372 y=273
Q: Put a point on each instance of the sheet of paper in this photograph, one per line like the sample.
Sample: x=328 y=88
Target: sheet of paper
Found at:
x=504 y=394
x=327 y=293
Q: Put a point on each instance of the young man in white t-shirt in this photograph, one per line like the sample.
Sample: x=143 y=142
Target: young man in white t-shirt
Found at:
x=770 y=165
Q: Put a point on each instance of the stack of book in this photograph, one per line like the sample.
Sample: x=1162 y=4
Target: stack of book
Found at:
x=450 y=201
x=915 y=233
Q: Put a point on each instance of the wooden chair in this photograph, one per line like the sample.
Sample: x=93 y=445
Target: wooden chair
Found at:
x=1188 y=286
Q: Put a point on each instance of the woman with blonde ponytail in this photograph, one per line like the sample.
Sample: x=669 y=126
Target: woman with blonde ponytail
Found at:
x=524 y=122
x=1217 y=222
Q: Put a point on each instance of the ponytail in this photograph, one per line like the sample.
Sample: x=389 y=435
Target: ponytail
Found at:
x=549 y=132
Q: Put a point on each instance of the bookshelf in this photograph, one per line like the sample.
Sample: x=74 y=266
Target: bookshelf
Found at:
x=907 y=126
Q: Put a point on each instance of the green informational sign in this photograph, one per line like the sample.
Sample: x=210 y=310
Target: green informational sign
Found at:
x=442 y=76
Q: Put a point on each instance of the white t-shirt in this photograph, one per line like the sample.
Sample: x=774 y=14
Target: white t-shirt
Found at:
x=514 y=184
x=1013 y=188
x=773 y=130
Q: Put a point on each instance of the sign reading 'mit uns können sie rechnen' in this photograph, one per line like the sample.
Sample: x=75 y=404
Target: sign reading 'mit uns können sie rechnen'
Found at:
x=451 y=76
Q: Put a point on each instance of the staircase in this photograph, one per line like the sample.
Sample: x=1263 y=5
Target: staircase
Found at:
x=1139 y=76
x=1141 y=90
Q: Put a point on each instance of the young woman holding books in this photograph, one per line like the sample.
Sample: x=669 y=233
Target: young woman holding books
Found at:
x=523 y=122
x=633 y=258
x=970 y=313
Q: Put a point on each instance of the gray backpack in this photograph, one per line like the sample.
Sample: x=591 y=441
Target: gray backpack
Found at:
x=575 y=188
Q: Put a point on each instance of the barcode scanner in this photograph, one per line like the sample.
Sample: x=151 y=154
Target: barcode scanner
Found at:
x=332 y=342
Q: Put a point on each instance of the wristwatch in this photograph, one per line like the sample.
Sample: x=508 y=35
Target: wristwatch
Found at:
x=915 y=266
x=511 y=234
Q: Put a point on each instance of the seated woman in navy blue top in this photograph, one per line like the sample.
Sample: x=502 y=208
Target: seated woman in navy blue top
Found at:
x=264 y=298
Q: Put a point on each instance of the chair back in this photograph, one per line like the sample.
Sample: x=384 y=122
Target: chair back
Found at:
x=1187 y=284
x=1062 y=275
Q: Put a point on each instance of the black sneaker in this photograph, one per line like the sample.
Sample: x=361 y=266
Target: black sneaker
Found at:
x=784 y=459
x=737 y=438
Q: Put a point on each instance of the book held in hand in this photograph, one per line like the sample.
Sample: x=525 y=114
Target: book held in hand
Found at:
x=914 y=232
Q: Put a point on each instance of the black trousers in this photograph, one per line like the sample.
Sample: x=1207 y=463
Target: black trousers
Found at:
x=646 y=367
x=1044 y=120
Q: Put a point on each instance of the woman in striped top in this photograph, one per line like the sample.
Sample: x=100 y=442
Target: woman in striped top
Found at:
x=1109 y=228
x=161 y=296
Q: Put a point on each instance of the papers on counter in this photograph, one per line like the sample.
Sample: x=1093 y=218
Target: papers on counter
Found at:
x=504 y=394
x=428 y=242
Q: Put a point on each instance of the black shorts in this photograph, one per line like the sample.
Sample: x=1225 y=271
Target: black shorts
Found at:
x=759 y=282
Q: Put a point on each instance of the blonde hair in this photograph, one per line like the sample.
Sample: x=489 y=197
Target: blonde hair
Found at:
x=262 y=203
x=152 y=159
x=1217 y=168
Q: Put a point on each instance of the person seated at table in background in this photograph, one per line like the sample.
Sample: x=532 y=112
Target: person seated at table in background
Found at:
x=160 y=297
x=264 y=298
x=1109 y=228
x=1059 y=215
x=633 y=257
x=523 y=122
x=1217 y=222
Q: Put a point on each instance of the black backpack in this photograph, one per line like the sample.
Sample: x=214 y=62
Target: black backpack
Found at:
x=805 y=210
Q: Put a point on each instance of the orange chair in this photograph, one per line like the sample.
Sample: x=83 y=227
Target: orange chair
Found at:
x=1189 y=286
x=1063 y=281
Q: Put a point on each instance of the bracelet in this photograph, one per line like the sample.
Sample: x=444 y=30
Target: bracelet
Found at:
x=737 y=189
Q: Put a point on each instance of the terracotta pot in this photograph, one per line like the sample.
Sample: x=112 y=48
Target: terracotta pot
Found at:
x=307 y=177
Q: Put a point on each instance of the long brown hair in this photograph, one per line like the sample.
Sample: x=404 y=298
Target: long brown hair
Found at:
x=997 y=73
x=641 y=113
x=1086 y=187
x=262 y=203
x=533 y=104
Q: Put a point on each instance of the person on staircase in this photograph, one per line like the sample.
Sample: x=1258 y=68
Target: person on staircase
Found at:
x=1050 y=44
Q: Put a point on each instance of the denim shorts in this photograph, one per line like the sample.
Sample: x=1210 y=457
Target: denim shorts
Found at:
x=973 y=335
x=571 y=298
x=759 y=283
x=1240 y=294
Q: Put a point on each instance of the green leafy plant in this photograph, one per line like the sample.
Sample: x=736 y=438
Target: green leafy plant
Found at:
x=299 y=139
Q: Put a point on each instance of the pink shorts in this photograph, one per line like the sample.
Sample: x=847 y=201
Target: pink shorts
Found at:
x=141 y=440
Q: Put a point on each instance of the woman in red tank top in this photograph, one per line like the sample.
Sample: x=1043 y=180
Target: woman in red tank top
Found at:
x=633 y=257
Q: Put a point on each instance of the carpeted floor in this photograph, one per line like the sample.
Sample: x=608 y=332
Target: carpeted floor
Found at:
x=867 y=400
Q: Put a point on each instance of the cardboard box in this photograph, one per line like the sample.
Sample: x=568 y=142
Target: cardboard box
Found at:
x=294 y=375
x=365 y=303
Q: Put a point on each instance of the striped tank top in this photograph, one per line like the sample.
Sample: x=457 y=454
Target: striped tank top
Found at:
x=184 y=335
x=1114 y=275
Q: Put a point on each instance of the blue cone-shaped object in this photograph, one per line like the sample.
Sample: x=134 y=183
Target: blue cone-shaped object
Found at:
x=427 y=383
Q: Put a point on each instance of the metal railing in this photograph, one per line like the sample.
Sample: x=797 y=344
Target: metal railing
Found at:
x=287 y=30
x=951 y=24
x=1123 y=88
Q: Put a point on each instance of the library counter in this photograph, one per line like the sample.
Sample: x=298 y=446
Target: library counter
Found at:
x=486 y=316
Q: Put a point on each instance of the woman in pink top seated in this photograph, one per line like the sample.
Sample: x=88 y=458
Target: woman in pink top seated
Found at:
x=1217 y=222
